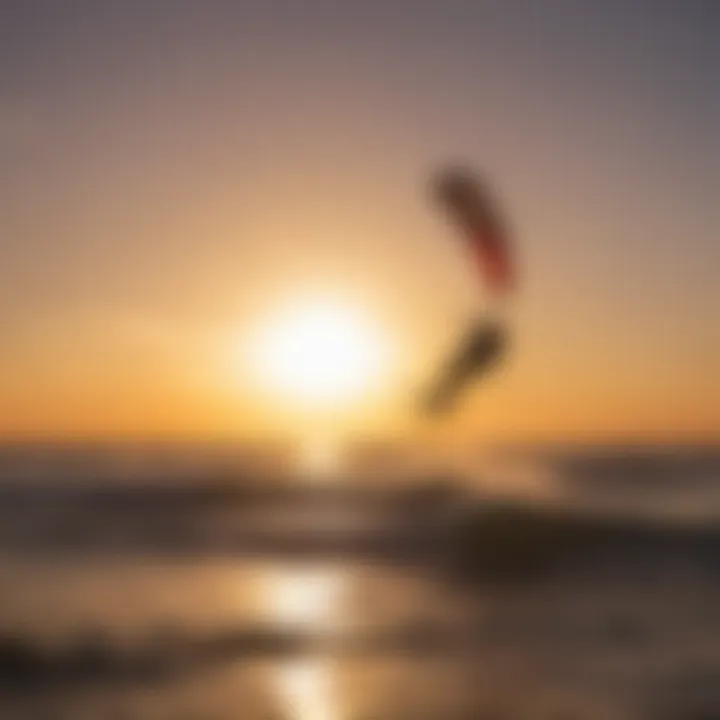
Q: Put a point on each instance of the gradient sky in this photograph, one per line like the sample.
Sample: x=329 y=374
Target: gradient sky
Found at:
x=171 y=167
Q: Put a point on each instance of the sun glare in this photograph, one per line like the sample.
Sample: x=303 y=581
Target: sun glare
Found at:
x=319 y=352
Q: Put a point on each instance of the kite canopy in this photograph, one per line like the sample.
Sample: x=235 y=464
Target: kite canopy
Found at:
x=483 y=347
x=472 y=210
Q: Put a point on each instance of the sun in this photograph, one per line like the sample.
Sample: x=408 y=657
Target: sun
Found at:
x=319 y=352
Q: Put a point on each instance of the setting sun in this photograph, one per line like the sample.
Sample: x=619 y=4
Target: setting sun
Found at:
x=319 y=352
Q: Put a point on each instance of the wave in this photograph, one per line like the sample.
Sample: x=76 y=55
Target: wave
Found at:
x=170 y=653
x=509 y=541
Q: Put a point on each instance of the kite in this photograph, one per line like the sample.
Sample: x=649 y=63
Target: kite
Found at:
x=472 y=210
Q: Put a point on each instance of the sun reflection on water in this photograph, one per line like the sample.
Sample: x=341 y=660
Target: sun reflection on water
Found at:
x=307 y=598
x=306 y=688
x=320 y=458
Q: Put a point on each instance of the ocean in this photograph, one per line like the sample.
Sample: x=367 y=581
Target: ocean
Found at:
x=544 y=583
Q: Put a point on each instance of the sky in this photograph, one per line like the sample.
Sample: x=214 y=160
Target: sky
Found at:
x=171 y=170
